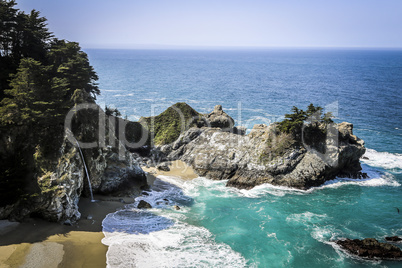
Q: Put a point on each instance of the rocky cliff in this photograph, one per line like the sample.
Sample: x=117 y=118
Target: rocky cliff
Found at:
x=57 y=179
x=267 y=155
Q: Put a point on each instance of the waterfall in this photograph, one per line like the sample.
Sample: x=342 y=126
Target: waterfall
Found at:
x=86 y=171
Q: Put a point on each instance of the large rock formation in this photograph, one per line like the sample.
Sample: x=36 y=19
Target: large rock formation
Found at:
x=58 y=180
x=266 y=155
x=168 y=125
x=179 y=117
x=370 y=248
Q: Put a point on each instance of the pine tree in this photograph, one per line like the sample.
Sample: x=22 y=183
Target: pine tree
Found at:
x=21 y=36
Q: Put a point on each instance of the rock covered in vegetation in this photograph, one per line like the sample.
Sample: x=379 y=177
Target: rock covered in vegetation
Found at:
x=180 y=117
x=60 y=178
x=267 y=155
x=370 y=248
x=168 y=125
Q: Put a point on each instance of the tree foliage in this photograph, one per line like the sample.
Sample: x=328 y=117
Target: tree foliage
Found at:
x=21 y=36
x=112 y=111
x=41 y=78
x=310 y=119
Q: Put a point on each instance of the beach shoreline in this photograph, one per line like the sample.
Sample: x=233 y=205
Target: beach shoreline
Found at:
x=38 y=243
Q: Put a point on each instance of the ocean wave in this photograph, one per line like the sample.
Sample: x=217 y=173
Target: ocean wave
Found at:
x=306 y=218
x=376 y=179
x=382 y=159
x=134 y=221
x=181 y=245
x=112 y=90
x=160 y=237
x=124 y=95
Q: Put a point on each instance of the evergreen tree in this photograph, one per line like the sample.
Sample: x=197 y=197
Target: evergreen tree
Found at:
x=21 y=36
x=71 y=65
x=311 y=119
x=8 y=23
x=40 y=80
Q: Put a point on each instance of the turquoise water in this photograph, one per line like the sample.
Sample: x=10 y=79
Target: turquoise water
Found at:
x=266 y=226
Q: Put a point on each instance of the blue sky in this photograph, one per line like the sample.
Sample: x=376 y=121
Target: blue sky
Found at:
x=227 y=23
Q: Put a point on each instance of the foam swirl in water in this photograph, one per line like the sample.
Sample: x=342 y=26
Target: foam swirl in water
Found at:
x=160 y=237
x=383 y=159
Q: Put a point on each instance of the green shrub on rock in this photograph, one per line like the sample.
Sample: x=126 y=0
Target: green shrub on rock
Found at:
x=166 y=127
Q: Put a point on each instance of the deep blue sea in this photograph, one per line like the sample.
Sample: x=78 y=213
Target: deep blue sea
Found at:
x=266 y=226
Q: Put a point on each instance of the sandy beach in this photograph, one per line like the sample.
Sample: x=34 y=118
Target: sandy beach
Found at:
x=38 y=243
x=177 y=169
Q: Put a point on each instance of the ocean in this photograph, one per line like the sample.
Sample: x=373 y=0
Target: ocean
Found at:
x=266 y=226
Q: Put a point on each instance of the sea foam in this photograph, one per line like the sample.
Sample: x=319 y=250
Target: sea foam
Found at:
x=161 y=237
x=383 y=159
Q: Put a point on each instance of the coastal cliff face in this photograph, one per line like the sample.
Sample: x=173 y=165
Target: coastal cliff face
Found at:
x=266 y=155
x=58 y=180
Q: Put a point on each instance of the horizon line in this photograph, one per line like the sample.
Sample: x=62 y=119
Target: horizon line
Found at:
x=210 y=47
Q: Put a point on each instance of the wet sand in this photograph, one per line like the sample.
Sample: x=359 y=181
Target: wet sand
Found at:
x=38 y=243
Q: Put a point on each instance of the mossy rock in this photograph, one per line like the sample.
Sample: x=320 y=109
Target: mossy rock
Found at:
x=277 y=144
x=167 y=126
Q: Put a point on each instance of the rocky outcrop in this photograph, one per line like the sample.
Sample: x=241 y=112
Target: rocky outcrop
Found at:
x=60 y=179
x=179 y=117
x=266 y=155
x=370 y=248
x=218 y=118
x=168 y=125
x=393 y=238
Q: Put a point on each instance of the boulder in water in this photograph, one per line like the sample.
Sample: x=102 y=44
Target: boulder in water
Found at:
x=393 y=238
x=370 y=248
x=144 y=204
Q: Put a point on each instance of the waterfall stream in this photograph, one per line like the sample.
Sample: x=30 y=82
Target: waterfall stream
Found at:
x=86 y=171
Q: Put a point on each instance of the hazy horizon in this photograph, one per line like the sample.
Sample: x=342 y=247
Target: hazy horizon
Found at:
x=128 y=24
x=184 y=47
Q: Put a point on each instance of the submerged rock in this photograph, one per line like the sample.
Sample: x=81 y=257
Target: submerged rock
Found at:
x=370 y=248
x=144 y=204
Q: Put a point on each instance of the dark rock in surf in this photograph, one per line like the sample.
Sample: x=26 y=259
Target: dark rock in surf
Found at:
x=143 y=204
x=393 y=238
x=370 y=248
